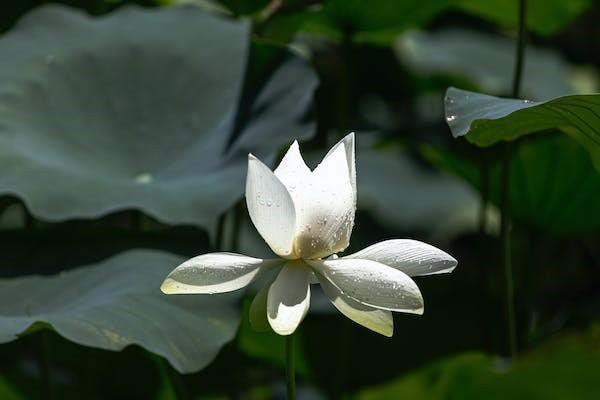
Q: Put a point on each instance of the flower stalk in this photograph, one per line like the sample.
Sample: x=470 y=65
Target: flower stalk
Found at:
x=290 y=367
x=505 y=187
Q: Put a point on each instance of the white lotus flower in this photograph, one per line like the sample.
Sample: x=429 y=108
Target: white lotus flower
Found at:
x=306 y=216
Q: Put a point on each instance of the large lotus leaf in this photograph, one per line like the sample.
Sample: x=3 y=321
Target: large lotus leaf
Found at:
x=117 y=303
x=402 y=195
x=486 y=120
x=553 y=183
x=488 y=60
x=565 y=369
x=139 y=109
x=544 y=19
x=212 y=6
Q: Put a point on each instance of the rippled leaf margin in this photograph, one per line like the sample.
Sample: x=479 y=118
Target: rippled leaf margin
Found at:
x=116 y=303
x=486 y=120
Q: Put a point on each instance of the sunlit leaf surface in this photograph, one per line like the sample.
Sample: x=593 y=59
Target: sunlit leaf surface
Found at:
x=566 y=369
x=117 y=303
x=145 y=109
x=486 y=120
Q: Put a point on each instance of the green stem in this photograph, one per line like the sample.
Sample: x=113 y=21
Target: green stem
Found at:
x=505 y=187
x=290 y=369
x=506 y=250
x=46 y=364
x=484 y=190
x=175 y=381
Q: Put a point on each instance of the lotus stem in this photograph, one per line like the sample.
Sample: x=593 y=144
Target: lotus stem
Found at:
x=505 y=187
x=290 y=368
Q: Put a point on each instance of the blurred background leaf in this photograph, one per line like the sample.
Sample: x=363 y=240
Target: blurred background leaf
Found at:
x=487 y=60
x=554 y=186
x=160 y=128
x=117 y=303
x=563 y=369
x=546 y=20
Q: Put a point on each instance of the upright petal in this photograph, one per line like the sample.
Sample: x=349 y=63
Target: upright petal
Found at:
x=292 y=170
x=289 y=298
x=372 y=284
x=215 y=273
x=325 y=213
x=348 y=143
x=412 y=257
x=270 y=207
x=380 y=321
x=295 y=176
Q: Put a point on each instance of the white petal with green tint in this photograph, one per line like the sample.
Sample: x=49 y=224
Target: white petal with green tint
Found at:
x=412 y=257
x=270 y=207
x=294 y=174
x=372 y=284
x=325 y=213
x=380 y=321
x=215 y=273
x=117 y=303
x=348 y=143
x=289 y=298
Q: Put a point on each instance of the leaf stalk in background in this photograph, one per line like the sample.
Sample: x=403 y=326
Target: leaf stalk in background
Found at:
x=505 y=187
x=290 y=368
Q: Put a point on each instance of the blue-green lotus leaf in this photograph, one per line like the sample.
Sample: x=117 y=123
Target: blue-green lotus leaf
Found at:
x=143 y=108
x=486 y=120
x=487 y=61
x=117 y=303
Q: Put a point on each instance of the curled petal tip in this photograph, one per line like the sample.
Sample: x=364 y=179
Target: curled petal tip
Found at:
x=251 y=157
x=166 y=287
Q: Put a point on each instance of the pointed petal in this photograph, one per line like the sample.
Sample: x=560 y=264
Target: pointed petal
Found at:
x=292 y=170
x=348 y=143
x=325 y=216
x=258 y=311
x=380 y=321
x=215 y=273
x=372 y=284
x=270 y=207
x=412 y=257
x=289 y=298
